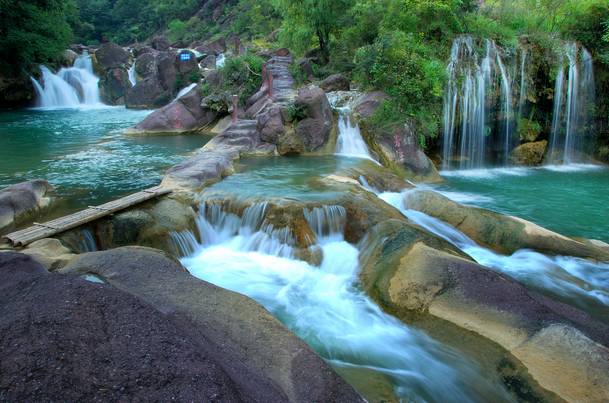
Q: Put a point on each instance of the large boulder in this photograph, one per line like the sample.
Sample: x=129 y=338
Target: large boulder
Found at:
x=335 y=82
x=114 y=85
x=315 y=128
x=503 y=233
x=68 y=57
x=160 y=43
x=167 y=71
x=50 y=253
x=109 y=56
x=182 y=115
x=186 y=62
x=273 y=130
x=16 y=91
x=401 y=152
x=263 y=359
x=23 y=202
x=68 y=339
x=214 y=47
x=529 y=154
x=365 y=106
x=145 y=65
x=147 y=93
x=409 y=276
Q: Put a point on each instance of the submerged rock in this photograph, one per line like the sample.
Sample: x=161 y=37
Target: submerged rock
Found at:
x=23 y=203
x=505 y=234
x=408 y=274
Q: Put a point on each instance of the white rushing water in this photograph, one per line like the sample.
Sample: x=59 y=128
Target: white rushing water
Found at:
x=569 y=277
x=132 y=75
x=71 y=87
x=185 y=90
x=220 y=60
x=350 y=142
x=324 y=306
x=571 y=122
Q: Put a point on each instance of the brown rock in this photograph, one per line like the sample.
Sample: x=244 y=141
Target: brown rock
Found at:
x=529 y=154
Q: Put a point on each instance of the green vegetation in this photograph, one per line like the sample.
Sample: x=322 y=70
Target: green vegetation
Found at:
x=397 y=46
x=241 y=76
x=33 y=32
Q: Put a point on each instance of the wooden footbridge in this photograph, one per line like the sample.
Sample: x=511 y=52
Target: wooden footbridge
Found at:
x=92 y=213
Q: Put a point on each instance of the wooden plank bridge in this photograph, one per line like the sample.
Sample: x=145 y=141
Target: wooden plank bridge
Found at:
x=92 y=213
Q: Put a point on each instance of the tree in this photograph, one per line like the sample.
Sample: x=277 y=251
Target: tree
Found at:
x=33 y=32
x=304 y=20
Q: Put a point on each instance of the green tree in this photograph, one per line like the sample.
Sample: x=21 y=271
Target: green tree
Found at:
x=33 y=32
x=304 y=20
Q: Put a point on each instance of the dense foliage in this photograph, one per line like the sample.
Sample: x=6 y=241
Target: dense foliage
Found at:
x=33 y=32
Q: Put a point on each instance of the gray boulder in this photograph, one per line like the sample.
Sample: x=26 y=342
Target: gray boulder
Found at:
x=110 y=55
x=368 y=103
x=160 y=43
x=147 y=93
x=335 y=82
x=23 y=202
x=182 y=115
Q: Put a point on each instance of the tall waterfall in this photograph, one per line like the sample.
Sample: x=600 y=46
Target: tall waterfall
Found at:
x=574 y=97
x=71 y=87
x=468 y=105
x=350 y=141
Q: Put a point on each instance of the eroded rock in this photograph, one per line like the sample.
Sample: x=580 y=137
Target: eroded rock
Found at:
x=23 y=202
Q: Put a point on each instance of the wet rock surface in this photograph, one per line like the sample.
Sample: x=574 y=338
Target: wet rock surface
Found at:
x=505 y=234
x=411 y=275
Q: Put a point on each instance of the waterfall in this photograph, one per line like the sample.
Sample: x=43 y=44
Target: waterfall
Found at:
x=579 y=281
x=350 y=142
x=574 y=97
x=471 y=79
x=71 y=87
x=324 y=306
x=506 y=98
x=220 y=59
x=523 y=82
x=185 y=91
x=132 y=75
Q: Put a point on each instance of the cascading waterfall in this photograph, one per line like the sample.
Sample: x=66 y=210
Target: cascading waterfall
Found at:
x=350 y=142
x=571 y=123
x=324 y=306
x=71 y=87
x=578 y=281
x=132 y=74
x=471 y=81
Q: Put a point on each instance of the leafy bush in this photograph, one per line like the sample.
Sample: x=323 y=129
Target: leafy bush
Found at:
x=242 y=75
x=410 y=73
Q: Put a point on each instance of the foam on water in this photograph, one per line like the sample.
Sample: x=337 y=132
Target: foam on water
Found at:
x=576 y=280
x=486 y=173
x=324 y=306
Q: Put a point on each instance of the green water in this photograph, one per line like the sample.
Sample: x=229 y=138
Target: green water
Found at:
x=84 y=154
x=571 y=200
x=294 y=177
